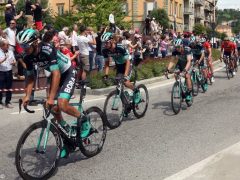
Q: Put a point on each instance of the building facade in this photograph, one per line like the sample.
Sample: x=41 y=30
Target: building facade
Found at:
x=225 y=29
x=189 y=18
x=59 y=7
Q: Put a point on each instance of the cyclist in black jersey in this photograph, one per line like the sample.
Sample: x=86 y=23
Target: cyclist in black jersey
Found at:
x=47 y=57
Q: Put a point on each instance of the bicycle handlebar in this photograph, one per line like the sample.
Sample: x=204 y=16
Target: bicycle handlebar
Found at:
x=26 y=108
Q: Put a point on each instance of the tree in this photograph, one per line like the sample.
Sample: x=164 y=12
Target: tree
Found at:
x=199 y=29
x=96 y=12
x=161 y=17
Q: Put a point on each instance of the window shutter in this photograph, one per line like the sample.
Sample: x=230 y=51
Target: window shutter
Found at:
x=127 y=9
x=155 y=5
x=145 y=10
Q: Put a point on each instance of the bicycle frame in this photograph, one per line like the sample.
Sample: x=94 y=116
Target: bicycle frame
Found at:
x=65 y=135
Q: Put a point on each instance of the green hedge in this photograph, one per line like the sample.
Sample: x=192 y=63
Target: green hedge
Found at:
x=149 y=69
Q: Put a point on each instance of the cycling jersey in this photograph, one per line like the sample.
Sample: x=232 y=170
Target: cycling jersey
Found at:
x=50 y=59
x=206 y=46
x=120 y=55
x=192 y=38
x=227 y=46
x=182 y=59
x=197 y=51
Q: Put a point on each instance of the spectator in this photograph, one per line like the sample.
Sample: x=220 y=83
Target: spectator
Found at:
x=91 y=48
x=63 y=35
x=7 y=60
x=186 y=40
x=74 y=38
x=28 y=13
x=99 y=59
x=155 y=41
x=2 y=34
x=65 y=47
x=11 y=35
x=56 y=39
x=127 y=44
x=37 y=15
x=10 y=14
x=83 y=45
x=147 y=25
x=112 y=23
x=164 y=46
x=154 y=27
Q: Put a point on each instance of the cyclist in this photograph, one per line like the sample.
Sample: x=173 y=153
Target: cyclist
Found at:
x=238 y=47
x=184 y=65
x=227 y=49
x=208 y=54
x=47 y=57
x=114 y=50
x=235 y=52
x=198 y=57
x=177 y=42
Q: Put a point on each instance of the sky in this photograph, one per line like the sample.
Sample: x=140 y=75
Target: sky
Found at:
x=227 y=4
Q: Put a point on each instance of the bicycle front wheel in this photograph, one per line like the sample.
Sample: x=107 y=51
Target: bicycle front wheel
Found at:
x=114 y=110
x=93 y=132
x=176 y=98
x=33 y=160
x=140 y=102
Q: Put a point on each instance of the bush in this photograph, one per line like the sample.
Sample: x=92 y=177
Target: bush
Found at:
x=216 y=53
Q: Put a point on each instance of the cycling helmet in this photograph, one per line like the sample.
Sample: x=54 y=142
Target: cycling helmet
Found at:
x=202 y=40
x=27 y=36
x=178 y=42
x=106 y=36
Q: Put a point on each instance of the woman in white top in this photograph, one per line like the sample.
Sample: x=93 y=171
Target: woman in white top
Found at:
x=127 y=44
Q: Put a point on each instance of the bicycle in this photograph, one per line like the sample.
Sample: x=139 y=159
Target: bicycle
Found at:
x=120 y=103
x=51 y=138
x=229 y=69
x=198 y=79
x=179 y=93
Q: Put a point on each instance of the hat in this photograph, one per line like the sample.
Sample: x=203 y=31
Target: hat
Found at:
x=8 y=5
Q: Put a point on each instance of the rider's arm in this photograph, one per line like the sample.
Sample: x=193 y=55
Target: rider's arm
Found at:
x=189 y=60
x=56 y=75
x=30 y=85
x=201 y=58
x=127 y=68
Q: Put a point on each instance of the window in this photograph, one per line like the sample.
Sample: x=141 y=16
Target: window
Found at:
x=180 y=11
x=125 y=9
x=150 y=7
x=60 y=9
x=175 y=9
x=171 y=8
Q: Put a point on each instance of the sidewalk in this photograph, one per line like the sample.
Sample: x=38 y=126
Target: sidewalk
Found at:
x=223 y=165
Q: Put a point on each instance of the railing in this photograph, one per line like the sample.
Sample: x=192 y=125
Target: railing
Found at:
x=188 y=11
x=199 y=15
x=199 y=2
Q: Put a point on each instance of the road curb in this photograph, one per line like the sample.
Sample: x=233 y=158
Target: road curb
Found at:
x=107 y=90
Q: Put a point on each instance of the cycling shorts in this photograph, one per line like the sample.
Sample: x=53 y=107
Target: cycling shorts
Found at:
x=238 y=48
x=121 y=70
x=67 y=84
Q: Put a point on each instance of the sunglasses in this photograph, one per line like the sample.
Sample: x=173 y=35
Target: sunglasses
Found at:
x=12 y=23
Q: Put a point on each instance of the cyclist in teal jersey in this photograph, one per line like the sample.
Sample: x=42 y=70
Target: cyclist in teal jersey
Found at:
x=115 y=51
x=184 y=65
x=63 y=76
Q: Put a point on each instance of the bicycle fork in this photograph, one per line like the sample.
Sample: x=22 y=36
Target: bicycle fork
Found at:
x=45 y=139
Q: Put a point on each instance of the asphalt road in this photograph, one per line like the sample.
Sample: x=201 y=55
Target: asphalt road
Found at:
x=154 y=147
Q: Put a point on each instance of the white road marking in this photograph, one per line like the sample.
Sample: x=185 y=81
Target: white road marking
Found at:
x=211 y=160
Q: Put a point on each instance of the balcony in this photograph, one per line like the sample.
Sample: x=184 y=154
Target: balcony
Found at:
x=199 y=2
x=199 y=15
x=188 y=11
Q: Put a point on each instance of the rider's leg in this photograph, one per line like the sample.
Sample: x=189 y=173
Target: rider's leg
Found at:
x=210 y=64
x=65 y=107
x=129 y=85
x=171 y=63
x=188 y=81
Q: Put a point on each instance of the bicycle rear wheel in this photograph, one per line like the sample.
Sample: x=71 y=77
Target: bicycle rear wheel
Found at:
x=92 y=132
x=195 y=84
x=140 y=108
x=33 y=161
x=228 y=71
x=114 y=110
x=176 y=98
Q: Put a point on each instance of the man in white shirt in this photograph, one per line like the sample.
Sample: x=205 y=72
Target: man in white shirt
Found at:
x=83 y=45
x=74 y=38
x=10 y=34
x=92 y=48
x=63 y=34
x=7 y=60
